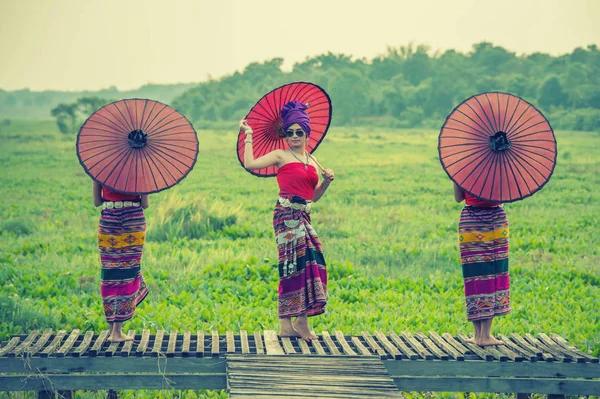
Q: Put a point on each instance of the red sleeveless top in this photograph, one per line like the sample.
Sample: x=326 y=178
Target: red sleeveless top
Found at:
x=474 y=201
x=293 y=179
x=109 y=195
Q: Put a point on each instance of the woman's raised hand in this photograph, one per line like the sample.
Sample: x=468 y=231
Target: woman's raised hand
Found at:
x=245 y=127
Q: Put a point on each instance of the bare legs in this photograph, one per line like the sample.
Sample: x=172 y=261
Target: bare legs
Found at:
x=483 y=336
x=298 y=328
x=116 y=332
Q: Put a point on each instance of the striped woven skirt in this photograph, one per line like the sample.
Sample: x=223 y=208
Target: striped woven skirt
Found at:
x=483 y=240
x=121 y=237
x=302 y=269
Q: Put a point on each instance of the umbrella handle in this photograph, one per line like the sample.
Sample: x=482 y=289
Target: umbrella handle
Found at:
x=317 y=162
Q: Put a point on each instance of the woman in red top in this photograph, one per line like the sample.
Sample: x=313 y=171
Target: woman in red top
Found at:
x=121 y=237
x=483 y=241
x=302 y=269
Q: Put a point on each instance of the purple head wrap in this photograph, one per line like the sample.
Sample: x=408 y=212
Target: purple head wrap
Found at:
x=295 y=112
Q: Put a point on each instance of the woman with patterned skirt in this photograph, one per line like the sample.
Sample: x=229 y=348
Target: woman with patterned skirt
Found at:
x=302 y=270
x=483 y=239
x=121 y=237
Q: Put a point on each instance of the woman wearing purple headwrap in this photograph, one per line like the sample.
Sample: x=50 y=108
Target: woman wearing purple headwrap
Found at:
x=302 y=269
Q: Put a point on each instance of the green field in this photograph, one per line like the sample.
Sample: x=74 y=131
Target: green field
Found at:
x=388 y=225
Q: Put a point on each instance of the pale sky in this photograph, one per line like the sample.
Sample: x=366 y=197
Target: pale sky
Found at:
x=93 y=44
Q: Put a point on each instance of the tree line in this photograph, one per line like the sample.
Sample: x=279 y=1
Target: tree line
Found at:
x=407 y=86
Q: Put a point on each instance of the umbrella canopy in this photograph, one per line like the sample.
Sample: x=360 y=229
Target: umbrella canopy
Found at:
x=266 y=122
x=497 y=147
x=137 y=146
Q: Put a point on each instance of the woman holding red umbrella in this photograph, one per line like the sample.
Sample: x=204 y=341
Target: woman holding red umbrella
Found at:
x=496 y=148
x=121 y=237
x=483 y=241
x=130 y=148
x=302 y=268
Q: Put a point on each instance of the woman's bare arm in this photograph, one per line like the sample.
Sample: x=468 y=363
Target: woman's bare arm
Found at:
x=459 y=194
x=97 y=193
x=144 y=201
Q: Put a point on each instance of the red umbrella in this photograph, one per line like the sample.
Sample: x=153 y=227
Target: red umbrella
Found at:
x=137 y=146
x=497 y=147
x=265 y=120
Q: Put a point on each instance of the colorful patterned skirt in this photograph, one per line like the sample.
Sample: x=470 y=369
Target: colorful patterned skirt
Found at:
x=483 y=240
x=302 y=269
x=121 y=237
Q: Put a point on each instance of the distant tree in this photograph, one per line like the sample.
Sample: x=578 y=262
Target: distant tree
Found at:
x=69 y=117
x=551 y=93
x=66 y=117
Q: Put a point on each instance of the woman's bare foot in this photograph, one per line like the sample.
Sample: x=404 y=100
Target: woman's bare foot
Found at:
x=302 y=328
x=119 y=338
x=486 y=341
x=288 y=332
x=472 y=340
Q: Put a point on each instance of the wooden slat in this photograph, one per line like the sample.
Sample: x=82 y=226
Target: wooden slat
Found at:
x=13 y=343
x=524 y=343
x=532 y=357
x=361 y=348
x=558 y=350
x=200 y=344
x=449 y=349
x=429 y=344
x=35 y=348
x=458 y=346
x=112 y=349
x=344 y=344
x=318 y=348
x=288 y=347
x=258 y=343
x=476 y=349
x=420 y=349
x=68 y=343
x=565 y=344
x=128 y=345
x=23 y=346
x=330 y=344
x=230 y=341
x=187 y=343
x=172 y=344
x=374 y=345
x=51 y=348
x=244 y=342
x=520 y=341
x=215 y=349
x=303 y=346
x=158 y=340
x=272 y=343
x=85 y=344
x=506 y=351
x=143 y=346
x=549 y=343
x=97 y=347
x=388 y=346
x=556 y=354
x=407 y=353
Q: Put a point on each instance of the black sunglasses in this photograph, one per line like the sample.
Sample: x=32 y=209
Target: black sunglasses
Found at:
x=290 y=133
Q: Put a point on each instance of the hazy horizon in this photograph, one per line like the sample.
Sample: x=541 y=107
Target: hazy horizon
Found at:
x=69 y=45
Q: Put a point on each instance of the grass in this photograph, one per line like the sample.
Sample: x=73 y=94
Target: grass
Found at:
x=388 y=225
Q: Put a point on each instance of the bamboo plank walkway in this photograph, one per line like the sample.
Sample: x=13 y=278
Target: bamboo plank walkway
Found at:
x=392 y=346
x=72 y=360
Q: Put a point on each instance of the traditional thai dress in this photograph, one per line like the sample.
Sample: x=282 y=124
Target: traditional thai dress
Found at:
x=302 y=269
x=121 y=237
x=483 y=239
